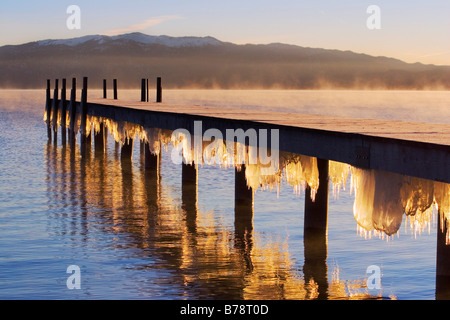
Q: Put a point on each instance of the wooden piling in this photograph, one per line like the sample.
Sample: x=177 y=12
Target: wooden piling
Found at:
x=99 y=140
x=83 y=106
x=63 y=110
x=104 y=88
x=72 y=111
x=126 y=153
x=158 y=89
x=316 y=212
x=147 y=90
x=189 y=173
x=189 y=196
x=243 y=194
x=442 y=260
x=48 y=109
x=315 y=262
x=55 y=109
x=143 y=98
x=152 y=161
x=315 y=232
x=115 y=88
x=243 y=212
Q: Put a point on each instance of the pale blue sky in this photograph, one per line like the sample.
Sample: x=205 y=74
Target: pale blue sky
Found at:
x=414 y=31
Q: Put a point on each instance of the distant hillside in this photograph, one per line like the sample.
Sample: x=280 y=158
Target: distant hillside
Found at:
x=195 y=62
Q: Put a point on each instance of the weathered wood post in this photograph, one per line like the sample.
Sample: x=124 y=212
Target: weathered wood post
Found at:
x=143 y=98
x=55 y=111
x=315 y=232
x=315 y=262
x=442 y=260
x=48 y=110
x=152 y=183
x=189 y=179
x=63 y=110
x=126 y=153
x=158 y=89
x=243 y=194
x=316 y=212
x=147 y=90
x=85 y=134
x=152 y=161
x=72 y=111
x=104 y=88
x=115 y=88
x=100 y=140
x=142 y=148
x=243 y=209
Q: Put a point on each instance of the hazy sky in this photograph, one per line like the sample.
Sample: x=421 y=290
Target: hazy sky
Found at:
x=411 y=30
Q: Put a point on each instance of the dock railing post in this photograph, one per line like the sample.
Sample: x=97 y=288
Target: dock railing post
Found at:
x=63 y=109
x=115 y=88
x=72 y=111
x=143 y=90
x=104 y=88
x=48 y=110
x=158 y=89
x=83 y=107
x=55 y=110
x=147 y=90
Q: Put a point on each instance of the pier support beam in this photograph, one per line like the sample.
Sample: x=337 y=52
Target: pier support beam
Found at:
x=315 y=233
x=315 y=265
x=152 y=165
x=85 y=135
x=189 y=179
x=243 y=216
x=100 y=140
x=63 y=109
x=143 y=90
x=152 y=161
x=55 y=111
x=115 y=88
x=48 y=110
x=104 y=88
x=316 y=212
x=72 y=111
x=158 y=89
x=126 y=153
x=147 y=91
x=243 y=195
x=442 y=261
x=243 y=205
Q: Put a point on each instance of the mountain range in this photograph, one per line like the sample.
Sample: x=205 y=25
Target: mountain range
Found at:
x=205 y=62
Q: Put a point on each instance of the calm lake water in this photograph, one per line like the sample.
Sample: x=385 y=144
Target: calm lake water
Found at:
x=133 y=238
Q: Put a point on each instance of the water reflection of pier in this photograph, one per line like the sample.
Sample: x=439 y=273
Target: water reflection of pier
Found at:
x=381 y=200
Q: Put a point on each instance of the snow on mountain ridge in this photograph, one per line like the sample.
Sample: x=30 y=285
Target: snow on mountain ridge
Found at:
x=138 y=38
x=70 y=42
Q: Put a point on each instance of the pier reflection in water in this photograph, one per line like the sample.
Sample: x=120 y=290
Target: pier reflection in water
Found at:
x=215 y=259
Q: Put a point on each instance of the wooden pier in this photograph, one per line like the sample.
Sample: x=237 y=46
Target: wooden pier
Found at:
x=412 y=149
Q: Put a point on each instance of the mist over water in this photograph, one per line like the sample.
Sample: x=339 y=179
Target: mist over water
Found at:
x=416 y=106
x=133 y=237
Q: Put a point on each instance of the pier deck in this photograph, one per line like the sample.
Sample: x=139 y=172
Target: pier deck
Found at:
x=414 y=149
x=413 y=131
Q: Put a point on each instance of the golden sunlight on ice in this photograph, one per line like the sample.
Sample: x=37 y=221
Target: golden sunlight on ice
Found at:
x=381 y=199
